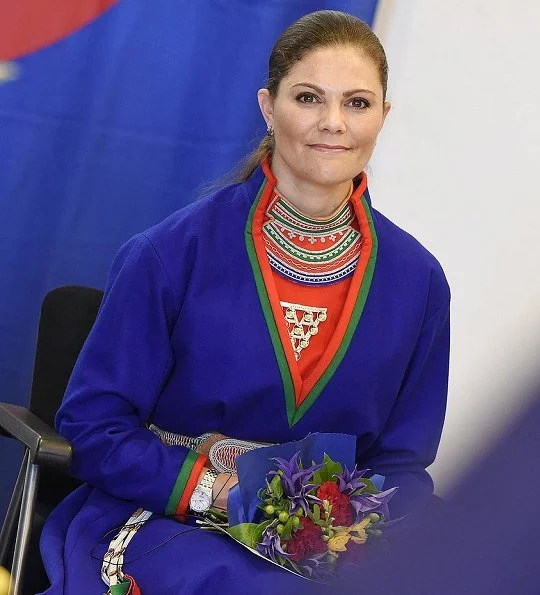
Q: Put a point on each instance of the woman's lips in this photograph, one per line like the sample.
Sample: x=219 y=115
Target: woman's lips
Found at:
x=329 y=148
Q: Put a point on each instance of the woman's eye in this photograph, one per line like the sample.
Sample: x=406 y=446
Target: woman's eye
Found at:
x=359 y=103
x=307 y=98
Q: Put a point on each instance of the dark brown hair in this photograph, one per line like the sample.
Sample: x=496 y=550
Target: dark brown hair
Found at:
x=324 y=28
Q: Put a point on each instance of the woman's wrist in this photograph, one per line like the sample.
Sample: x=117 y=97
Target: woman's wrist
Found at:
x=220 y=492
x=202 y=474
x=223 y=483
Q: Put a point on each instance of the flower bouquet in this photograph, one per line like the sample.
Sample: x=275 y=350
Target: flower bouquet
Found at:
x=306 y=517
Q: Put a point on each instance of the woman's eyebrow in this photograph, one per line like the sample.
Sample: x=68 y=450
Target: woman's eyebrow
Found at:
x=321 y=91
x=349 y=93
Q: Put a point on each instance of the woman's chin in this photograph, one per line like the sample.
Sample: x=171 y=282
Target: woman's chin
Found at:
x=333 y=177
x=333 y=170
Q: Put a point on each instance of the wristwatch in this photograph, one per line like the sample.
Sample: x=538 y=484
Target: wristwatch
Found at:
x=201 y=499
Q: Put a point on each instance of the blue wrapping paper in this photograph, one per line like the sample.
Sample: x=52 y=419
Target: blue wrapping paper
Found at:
x=253 y=467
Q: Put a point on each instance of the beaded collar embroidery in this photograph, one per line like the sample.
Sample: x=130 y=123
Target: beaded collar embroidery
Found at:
x=311 y=251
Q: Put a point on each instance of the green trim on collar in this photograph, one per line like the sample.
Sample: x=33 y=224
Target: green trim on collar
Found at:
x=353 y=322
x=283 y=365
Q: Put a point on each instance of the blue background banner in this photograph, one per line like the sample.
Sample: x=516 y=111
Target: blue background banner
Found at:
x=110 y=129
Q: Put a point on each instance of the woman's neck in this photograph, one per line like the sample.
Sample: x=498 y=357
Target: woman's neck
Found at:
x=310 y=199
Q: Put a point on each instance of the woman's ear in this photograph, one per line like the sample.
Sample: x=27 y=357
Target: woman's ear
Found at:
x=266 y=104
x=387 y=107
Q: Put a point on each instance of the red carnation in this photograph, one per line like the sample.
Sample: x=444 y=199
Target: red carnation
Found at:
x=306 y=541
x=342 y=510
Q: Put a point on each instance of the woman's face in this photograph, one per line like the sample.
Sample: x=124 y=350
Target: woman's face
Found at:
x=326 y=117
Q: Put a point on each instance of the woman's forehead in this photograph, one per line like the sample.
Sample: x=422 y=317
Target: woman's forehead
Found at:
x=335 y=67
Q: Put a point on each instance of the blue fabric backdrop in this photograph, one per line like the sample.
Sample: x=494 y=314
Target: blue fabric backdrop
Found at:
x=108 y=131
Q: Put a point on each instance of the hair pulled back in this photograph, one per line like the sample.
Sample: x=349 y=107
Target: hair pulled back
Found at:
x=321 y=29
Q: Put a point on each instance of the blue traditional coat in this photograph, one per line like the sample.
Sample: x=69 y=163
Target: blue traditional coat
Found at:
x=184 y=340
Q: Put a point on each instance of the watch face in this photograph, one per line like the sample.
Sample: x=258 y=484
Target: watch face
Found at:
x=200 y=501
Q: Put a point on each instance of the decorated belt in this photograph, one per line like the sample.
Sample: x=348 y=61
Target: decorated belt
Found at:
x=222 y=454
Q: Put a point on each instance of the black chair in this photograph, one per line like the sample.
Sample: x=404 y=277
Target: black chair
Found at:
x=67 y=315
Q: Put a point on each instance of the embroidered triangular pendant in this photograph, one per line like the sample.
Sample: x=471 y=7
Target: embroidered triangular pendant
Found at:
x=302 y=324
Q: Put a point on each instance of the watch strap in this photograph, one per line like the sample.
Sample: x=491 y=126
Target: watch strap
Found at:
x=208 y=480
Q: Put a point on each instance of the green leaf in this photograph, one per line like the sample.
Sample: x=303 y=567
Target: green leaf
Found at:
x=244 y=532
x=326 y=473
x=331 y=466
x=277 y=487
x=316 y=512
x=259 y=530
x=287 y=531
x=318 y=477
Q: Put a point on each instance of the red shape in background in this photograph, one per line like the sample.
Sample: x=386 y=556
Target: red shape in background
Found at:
x=30 y=25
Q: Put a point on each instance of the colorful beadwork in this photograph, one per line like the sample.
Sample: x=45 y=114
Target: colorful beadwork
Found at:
x=311 y=251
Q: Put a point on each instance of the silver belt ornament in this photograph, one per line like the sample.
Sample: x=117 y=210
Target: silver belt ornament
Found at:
x=111 y=569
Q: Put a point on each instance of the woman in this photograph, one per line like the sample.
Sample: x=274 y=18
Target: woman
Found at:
x=280 y=305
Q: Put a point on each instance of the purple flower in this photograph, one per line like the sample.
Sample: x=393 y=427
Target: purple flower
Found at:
x=270 y=547
x=364 y=503
x=294 y=479
x=349 y=481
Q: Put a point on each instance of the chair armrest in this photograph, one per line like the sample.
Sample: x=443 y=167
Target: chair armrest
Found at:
x=45 y=445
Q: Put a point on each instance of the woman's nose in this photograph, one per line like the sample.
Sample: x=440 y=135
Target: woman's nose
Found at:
x=333 y=119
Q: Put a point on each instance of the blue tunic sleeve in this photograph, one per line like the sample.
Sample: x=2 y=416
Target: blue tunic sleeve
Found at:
x=410 y=437
x=116 y=383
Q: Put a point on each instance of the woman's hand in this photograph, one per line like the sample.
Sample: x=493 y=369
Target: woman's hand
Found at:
x=220 y=492
x=224 y=481
x=205 y=447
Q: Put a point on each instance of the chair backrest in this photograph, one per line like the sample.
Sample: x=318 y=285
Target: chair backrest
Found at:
x=67 y=316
